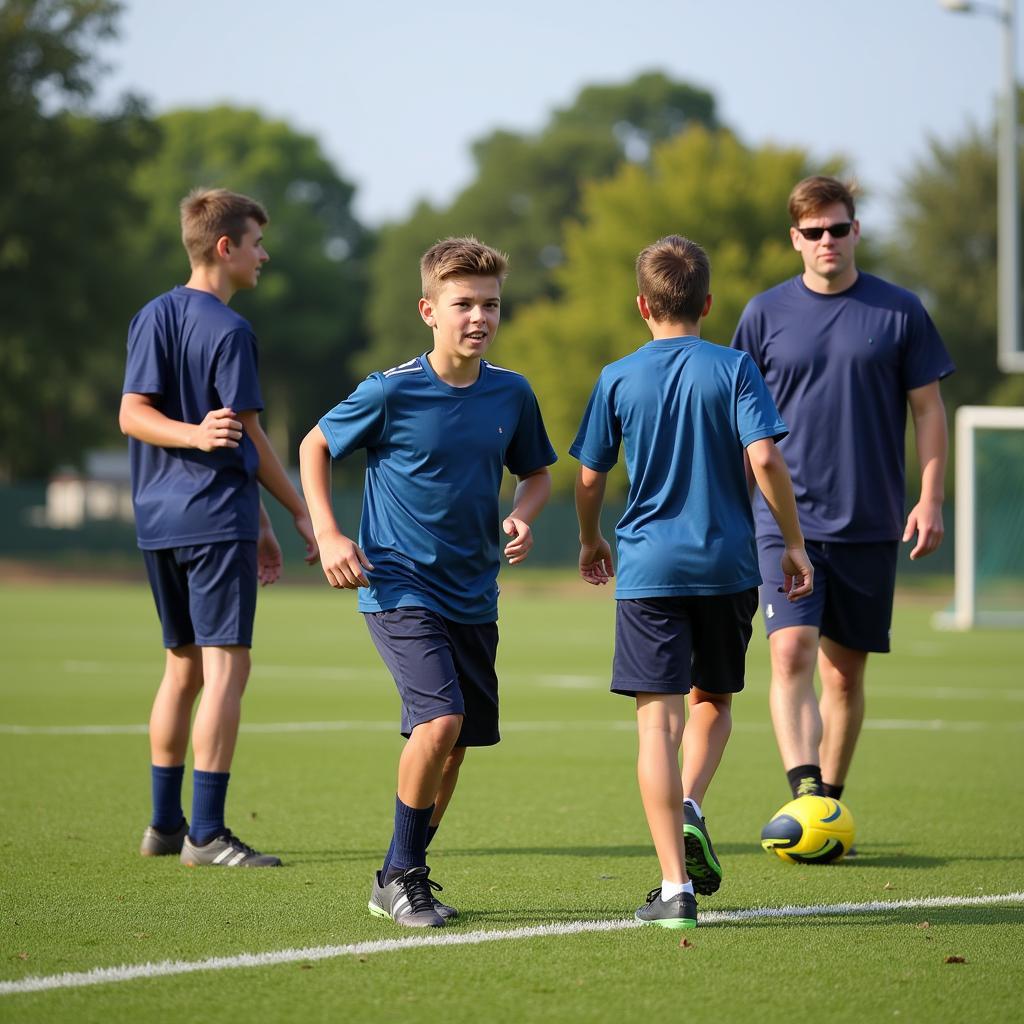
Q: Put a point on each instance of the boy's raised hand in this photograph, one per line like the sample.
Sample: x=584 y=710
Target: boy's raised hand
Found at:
x=522 y=539
x=343 y=562
x=596 y=562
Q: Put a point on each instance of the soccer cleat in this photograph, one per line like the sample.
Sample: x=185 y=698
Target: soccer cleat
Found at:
x=701 y=863
x=443 y=909
x=159 y=844
x=407 y=900
x=225 y=851
x=678 y=912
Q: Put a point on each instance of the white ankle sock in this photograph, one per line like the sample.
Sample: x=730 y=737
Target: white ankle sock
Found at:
x=696 y=806
x=670 y=889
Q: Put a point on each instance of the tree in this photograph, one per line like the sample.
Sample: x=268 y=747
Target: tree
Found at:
x=703 y=184
x=525 y=189
x=308 y=308
x=945 y=248
x=64 y=212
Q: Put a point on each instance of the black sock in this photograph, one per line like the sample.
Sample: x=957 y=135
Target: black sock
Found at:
x=832 y=790
x=805 y=780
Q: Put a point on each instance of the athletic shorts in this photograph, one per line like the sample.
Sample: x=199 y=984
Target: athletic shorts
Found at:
x=853 y=592
x=669 y=644
x=441 y=668
x=205 y=594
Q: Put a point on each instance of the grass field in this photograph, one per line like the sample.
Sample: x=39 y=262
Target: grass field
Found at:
x=545 y=830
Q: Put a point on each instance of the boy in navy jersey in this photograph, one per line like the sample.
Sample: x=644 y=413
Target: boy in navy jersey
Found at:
x=438 y=431
x=191 y=408
x=843 y=353
x=686 y=411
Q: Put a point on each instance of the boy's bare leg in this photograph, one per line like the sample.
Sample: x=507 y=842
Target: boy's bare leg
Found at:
x=424 y=756
x=842 y=707
x=171 y=717
x=449 y=779
x=660 y=719
x=215 y=730
x=707 y=733
x=794 y=705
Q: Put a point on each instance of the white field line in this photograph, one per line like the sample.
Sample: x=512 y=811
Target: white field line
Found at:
x=391 y=725
x=164 y=968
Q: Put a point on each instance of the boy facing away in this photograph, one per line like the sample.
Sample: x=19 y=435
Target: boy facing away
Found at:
x=686 y=592
x=190 y=407
x=438 y=430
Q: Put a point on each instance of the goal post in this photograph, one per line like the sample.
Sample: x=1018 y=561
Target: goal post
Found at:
x=989 y=527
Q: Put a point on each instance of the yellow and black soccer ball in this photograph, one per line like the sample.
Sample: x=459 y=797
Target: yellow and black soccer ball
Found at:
x=810 y=830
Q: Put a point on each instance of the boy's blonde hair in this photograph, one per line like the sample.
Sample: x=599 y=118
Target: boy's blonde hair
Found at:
x=674 y=276
x=208 y=214
x=818 y=191
x=459 y=257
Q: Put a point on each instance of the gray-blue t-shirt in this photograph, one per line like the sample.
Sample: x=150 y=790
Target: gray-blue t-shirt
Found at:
x=435 y=455
x=193 y=354
x=685 y=410
x=839 y=368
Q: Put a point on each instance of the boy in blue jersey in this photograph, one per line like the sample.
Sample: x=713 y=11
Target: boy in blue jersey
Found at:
x=191 y=406
x=686 y=411
x=843 y=354
x=438 y=431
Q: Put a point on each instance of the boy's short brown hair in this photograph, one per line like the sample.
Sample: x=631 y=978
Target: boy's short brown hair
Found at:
x=674 y=276
x=818 y=191
x=459 y=257
x=208 y=214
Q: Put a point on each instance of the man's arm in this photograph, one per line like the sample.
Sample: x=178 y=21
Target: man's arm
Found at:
x=772 y=477
x=925 y=519
x=272 y=476
x=532 y=493
x=140 y=418
x=342 y=560
x=595 y=554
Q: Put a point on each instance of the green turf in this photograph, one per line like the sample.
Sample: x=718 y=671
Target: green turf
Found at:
x=546 y=827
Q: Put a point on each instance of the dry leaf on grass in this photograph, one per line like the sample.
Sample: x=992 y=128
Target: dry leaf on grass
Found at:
x=924 y=924
x=685 y=943
x=955 y=960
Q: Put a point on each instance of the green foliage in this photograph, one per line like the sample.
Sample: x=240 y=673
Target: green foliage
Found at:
x=703 y=184
x=64 y=215
x=308 y=308
x=525 y=189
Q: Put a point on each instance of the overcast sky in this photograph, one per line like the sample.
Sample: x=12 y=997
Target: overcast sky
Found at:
x=397 y=91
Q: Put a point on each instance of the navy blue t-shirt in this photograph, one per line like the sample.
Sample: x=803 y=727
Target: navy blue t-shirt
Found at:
x=685 y=409
x=839 y=368
x=435 y=455
x=193 y=354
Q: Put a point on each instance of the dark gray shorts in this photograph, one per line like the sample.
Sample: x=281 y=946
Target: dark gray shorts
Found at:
x=441 y=668
x=668 y=644
x=853 y=592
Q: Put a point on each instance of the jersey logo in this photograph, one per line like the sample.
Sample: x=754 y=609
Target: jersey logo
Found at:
x=500 y=430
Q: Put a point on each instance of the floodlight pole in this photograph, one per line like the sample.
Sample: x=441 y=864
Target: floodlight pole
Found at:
x=1010 y=349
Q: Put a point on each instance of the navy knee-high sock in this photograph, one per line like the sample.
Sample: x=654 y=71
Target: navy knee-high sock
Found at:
x=409 y=842
x=166 y=785
x=209 y=793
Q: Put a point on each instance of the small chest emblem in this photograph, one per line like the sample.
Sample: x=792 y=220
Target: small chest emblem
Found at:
x=501 y=430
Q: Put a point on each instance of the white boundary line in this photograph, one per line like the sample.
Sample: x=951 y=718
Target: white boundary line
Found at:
x=165 y=968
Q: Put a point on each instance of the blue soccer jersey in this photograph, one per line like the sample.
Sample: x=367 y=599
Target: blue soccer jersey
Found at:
x=435 y=455
x=685 y=410
x=193 y=354
x=839 y=368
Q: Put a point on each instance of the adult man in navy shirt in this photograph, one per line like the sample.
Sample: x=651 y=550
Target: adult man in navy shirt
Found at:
x=191 y=407
x=843 y=353
x=438 y=431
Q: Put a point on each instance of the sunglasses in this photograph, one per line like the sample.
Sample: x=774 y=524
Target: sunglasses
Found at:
x=840 y=230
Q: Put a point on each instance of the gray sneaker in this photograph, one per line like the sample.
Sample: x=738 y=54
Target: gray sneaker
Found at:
x=225 y=851
x=408 y=899
x=678 y=912
x=701 y=863
x=159 y=844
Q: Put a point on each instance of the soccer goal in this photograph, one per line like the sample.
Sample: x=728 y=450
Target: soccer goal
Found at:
x=989 y=543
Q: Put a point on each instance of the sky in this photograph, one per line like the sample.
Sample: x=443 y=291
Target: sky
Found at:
x=396 y=93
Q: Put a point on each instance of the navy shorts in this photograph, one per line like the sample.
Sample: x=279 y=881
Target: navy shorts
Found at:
x=205 y=594
x=853 y=592
x=441 y=668
x=668 y=644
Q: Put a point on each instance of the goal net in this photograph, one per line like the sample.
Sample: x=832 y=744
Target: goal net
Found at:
x=989 y=541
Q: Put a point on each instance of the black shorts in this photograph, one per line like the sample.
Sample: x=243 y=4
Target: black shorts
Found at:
x=441 y=668
x=853 y=592
x=668 y=644
x=205 y=594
